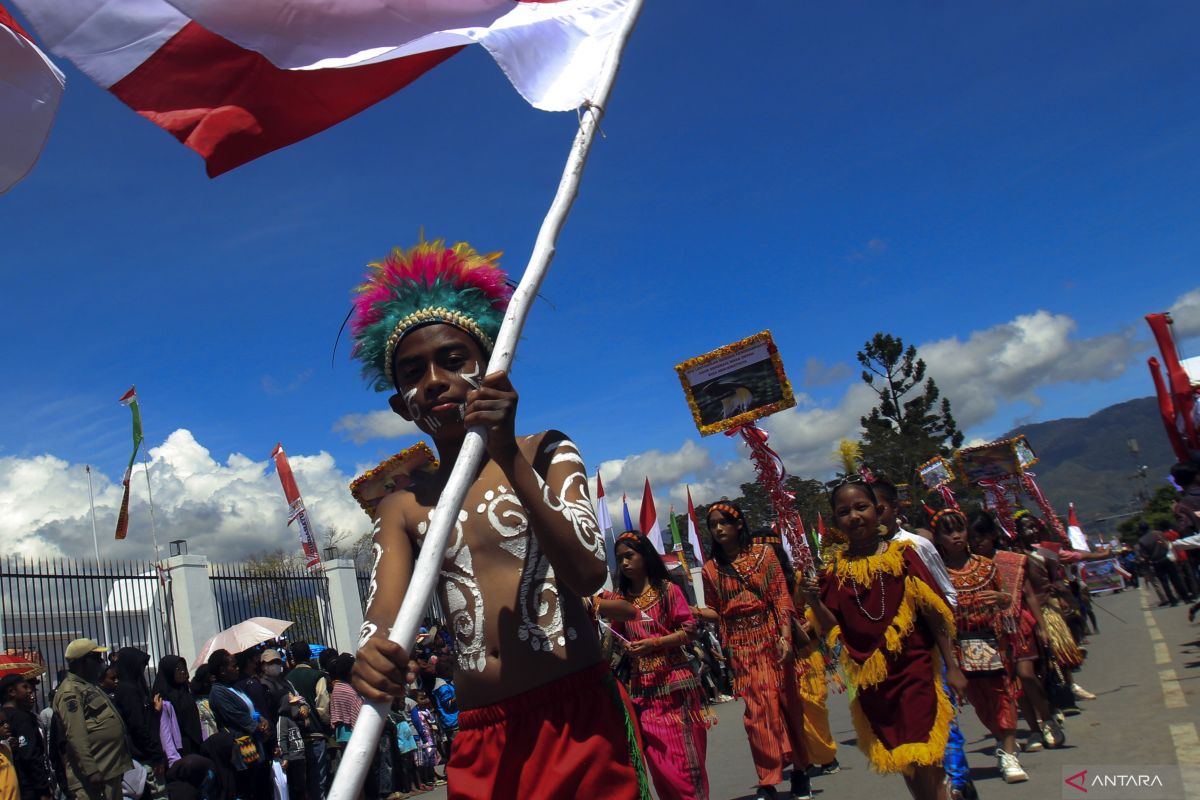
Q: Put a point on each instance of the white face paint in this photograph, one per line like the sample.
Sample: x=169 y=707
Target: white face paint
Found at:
x=410 y=402
x=473 y=377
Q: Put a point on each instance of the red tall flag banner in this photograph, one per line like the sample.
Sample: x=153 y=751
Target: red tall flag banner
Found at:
x=296 y=509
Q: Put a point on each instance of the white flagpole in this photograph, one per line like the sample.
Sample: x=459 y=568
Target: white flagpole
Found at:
x=150 y=498
x=96 y=544
x=360 y=750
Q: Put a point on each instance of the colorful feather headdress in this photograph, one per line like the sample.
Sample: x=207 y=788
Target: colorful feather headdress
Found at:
x=427 y=283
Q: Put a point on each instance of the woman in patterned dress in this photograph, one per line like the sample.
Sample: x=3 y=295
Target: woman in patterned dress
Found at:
x=664 y=690
x=985 y=616
x=746 y=592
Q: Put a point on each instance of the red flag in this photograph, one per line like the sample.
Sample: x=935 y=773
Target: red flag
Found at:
x=296 y=509
x=648 y=520
x=231 y=89
x=820 y=527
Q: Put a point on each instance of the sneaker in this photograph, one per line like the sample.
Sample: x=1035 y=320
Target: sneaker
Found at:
x=832 y=768
x=1033 y=744
x=766 y=793
x=1060 y=717
x=1082 y=693
x=1053 y=734
x=1010 y=768
x=801 y=788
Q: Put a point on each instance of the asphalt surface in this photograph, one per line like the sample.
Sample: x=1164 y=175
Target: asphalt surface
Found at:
x=1143 y=665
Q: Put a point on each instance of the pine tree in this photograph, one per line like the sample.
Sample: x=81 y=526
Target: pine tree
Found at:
x=909 y=426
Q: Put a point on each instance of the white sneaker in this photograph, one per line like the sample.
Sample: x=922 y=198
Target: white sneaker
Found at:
x=1082 y=693
x=1010 y=768
x=1053 y=734
x=1033 y=744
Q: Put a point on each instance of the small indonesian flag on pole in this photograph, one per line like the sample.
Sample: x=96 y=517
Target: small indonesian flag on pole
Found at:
x=1074 y=532
x=234 y=80
x=296 y=509
x=30 y=90
x=648 y=518
x=625 y=513
x=605 y=521
x=693 y=530
x=129 y=399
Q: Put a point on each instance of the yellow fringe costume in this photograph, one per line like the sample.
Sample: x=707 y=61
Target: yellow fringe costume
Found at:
x=889 y=654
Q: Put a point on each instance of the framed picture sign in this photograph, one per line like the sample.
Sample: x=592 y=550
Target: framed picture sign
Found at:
x=735 y=384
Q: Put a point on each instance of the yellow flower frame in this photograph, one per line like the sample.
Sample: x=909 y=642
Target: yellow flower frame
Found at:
x=729 y=354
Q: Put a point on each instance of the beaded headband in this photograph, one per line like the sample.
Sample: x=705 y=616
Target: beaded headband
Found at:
x=947 y=512
x=628 y=536
x=726 y=508
x=428 y=283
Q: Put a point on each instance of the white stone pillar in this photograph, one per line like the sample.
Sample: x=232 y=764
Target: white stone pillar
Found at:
x=344 y=604
x=194 y=604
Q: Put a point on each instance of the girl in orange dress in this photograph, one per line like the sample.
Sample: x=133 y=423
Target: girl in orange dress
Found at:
x=745 y=591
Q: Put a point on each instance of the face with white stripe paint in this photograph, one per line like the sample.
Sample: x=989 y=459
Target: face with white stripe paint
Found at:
x=435 y=367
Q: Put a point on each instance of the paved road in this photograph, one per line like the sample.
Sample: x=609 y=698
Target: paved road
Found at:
x=1144 y=667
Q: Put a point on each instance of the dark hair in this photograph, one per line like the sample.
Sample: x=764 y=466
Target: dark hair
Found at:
x=885 y=490
x=301 y=652
x=201 y=681
x=1184 y=473
x=339 y=670
x=715 y=551
x=325 y=660
x=245 y=657
x=656 y=570
x=216 y=663
x=1143 y=527
x=1163 y=524
x=982 y=523
x=857 y=484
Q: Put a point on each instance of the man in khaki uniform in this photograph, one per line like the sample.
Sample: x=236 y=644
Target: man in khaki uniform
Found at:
x=95 y=754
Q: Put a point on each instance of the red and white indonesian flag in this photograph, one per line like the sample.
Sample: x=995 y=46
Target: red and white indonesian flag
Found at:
x=606 y=524
x=296 y=509
x=648 y=520
x=1074 y=532
x=30 y=88
x=693 y=531
x=235 y=79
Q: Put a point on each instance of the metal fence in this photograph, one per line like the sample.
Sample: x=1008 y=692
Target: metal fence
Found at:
x=435 y=611
x=283 y=592
x=45 y=604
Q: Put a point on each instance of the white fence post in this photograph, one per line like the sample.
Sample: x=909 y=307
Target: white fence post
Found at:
x=194 y=604
x=344 y=604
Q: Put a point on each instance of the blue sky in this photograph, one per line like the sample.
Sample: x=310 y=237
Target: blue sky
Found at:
x=928 y=170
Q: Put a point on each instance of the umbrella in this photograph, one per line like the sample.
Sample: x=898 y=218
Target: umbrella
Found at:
x=20 y=665
x=243 y=636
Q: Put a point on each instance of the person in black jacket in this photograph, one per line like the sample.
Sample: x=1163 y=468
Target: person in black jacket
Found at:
x=235 y=713
x=29 y=751
x=133 y=700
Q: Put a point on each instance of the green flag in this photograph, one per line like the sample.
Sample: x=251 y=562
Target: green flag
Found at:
x=129 y=399
x=675 y=531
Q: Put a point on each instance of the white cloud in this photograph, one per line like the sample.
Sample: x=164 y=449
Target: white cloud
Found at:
x=225 y=511
x=818 y=373
x=385 y=424
x=1010 y=361
x=1185 y=311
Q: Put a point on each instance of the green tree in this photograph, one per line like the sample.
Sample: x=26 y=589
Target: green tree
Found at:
x=1157 y=509
x=912 y=422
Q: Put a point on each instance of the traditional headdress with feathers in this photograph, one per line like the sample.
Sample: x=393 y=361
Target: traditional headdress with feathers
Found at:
x=425 y=284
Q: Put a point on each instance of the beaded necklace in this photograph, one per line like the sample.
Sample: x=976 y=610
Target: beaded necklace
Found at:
x=882 y=593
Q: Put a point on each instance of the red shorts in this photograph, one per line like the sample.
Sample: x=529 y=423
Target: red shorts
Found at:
x=571 y=739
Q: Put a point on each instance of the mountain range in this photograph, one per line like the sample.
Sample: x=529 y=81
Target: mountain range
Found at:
x=1089 y=460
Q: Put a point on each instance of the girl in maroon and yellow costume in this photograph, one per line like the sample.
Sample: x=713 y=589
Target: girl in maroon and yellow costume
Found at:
x=746 y=592
x=986 y=618
x=878 y=603
x=665 y=691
